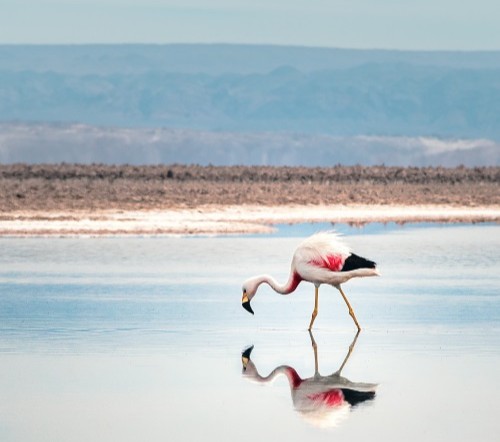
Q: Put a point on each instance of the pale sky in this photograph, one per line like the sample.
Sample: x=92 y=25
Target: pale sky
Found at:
x=389 y=24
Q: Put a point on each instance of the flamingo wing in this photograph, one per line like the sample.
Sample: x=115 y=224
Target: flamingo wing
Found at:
x=324 y=250
x=333 y=262
x=319 y=257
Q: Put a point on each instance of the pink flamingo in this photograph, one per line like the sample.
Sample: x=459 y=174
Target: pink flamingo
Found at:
x=323 y=401
x=321 y=259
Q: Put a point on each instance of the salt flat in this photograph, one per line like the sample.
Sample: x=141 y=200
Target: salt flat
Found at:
x=135 y=338
x=227 y=219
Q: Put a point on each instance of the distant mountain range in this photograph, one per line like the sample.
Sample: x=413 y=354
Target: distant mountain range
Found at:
x=251 y=97
x=218 y=59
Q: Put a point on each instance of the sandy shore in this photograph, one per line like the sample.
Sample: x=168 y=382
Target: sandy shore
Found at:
x=226 y=219
x=65 y=199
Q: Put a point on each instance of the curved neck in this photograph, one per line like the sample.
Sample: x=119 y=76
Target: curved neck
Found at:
x=293 y=378
x=292 y=283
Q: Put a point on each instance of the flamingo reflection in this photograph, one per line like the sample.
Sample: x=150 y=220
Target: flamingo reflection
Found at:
x=323 y=401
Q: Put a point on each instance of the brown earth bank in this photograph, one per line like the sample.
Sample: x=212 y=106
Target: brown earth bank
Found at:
x=58 y=187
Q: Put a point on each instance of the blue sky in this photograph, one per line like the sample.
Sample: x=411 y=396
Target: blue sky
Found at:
x=391 y=24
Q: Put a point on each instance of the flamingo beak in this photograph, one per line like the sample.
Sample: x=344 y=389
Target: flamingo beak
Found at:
x=245 y=357
x=245 y=303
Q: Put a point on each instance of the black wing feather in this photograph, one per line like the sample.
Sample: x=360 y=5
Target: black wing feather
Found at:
x=356 y=397
x=354 y=262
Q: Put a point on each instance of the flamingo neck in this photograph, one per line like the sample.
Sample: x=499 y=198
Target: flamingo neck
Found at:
x=285 y=289
x=291 y=374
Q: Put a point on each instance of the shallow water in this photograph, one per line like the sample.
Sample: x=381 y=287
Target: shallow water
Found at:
x=136 y=339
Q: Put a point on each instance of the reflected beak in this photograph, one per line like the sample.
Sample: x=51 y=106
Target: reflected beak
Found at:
x=245 y=357
x=245 y=303
x=244 y=362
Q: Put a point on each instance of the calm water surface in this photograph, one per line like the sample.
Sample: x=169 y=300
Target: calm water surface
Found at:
x=134 y=339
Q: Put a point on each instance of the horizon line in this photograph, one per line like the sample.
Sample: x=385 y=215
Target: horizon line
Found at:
x=264 y=45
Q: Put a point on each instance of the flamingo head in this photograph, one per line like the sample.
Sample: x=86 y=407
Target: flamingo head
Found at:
x=245 y=358
x=249 y=289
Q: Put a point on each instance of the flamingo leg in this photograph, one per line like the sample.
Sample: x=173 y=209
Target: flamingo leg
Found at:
x=351 y=311
x=315 y=349
x=351 y=348
x=315 y=311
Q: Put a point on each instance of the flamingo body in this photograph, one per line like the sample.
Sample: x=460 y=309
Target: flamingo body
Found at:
x=320 y=259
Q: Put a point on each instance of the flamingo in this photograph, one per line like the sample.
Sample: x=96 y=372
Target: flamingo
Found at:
x=323 y=401
x=322 y=258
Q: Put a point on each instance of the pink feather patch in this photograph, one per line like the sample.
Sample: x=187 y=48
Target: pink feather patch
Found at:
x=331 y=398
x=294 y=282
x=331 y=262
x=293 y=377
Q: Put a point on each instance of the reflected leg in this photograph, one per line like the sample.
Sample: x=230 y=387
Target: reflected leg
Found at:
x=351 y=348
x=315 y=348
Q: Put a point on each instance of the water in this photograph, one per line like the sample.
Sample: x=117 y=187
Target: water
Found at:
x=136 y=339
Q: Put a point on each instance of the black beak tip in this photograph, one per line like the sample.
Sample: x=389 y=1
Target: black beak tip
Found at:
x=247 y=307
x=246 y=353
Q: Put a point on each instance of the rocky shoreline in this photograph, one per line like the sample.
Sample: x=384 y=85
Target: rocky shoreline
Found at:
x=97 y=187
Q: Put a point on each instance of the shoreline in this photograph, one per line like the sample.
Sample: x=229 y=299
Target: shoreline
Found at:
x=225 y=219
x=110 y=200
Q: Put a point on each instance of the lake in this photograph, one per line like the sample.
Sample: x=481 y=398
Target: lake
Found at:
x=141 y=339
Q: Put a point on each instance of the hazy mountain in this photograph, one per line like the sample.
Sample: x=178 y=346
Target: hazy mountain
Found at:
x=217 y=59
x=372 y=99
x=229 y=104
x=87 y=144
